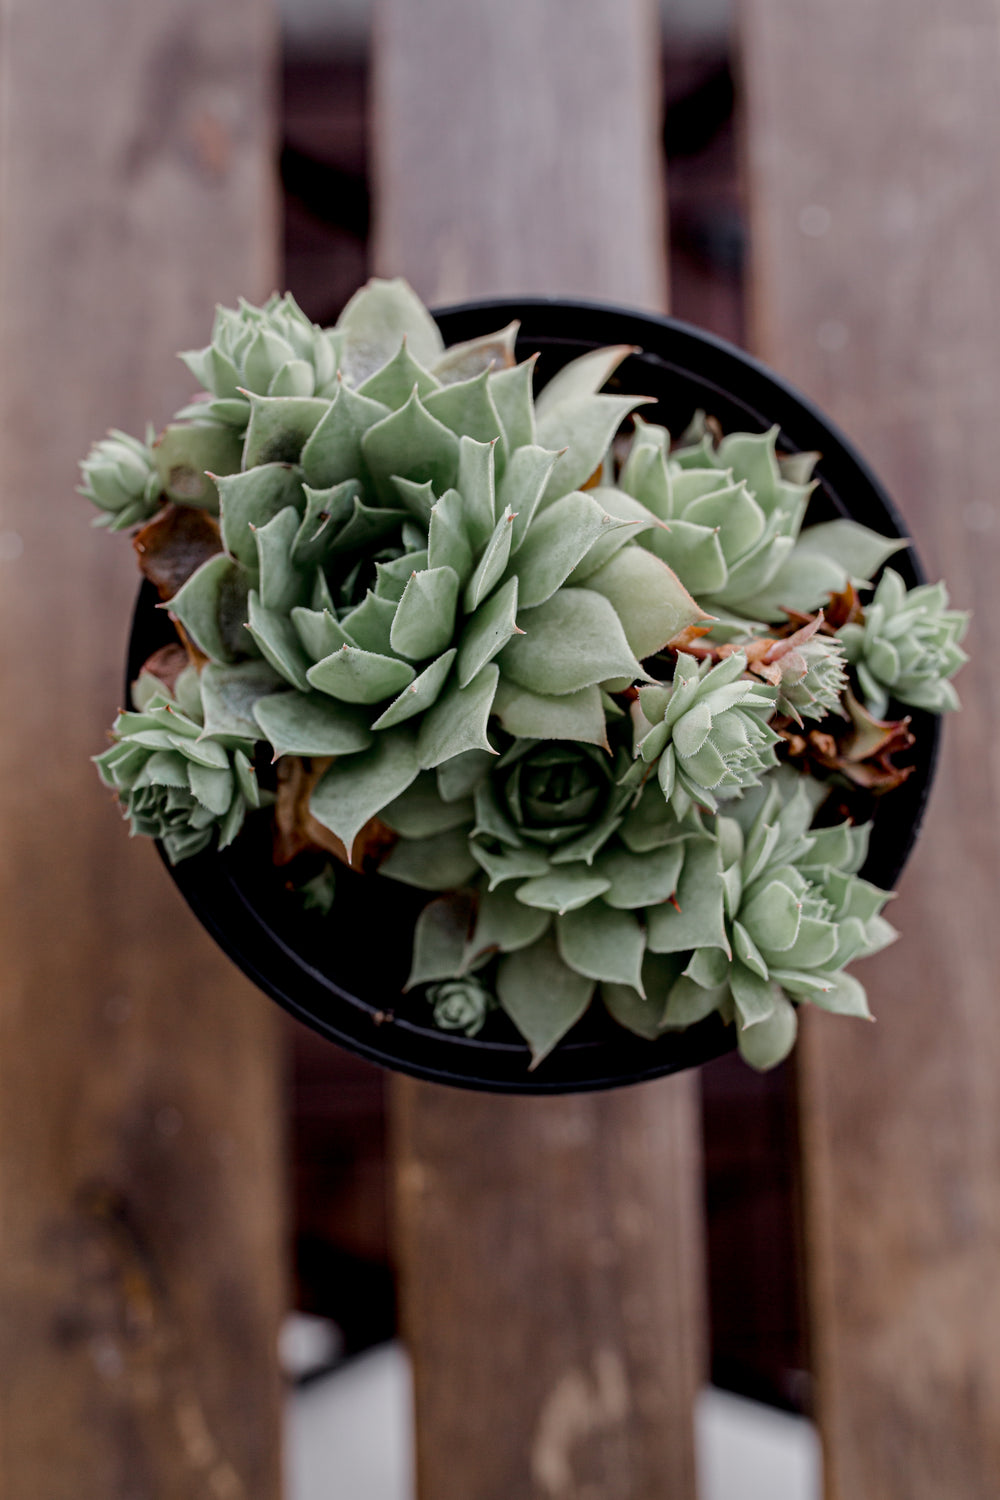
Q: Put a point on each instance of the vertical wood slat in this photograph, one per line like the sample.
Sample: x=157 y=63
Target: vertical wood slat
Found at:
x=874 y=154
x=141 y=1275
x=549 y=1249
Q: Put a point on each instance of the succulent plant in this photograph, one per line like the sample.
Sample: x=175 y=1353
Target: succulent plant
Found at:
x=272 y=350
x=734 y=511
x=173 y=781
x=470 y=624
x=547 y=861
x=460 y=1005
x=907 y=648
x=121 y=478
x=706 y=732
x=416 y=551
x=770 y=910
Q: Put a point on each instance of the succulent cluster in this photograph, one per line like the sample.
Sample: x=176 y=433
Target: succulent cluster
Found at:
x=531 y=656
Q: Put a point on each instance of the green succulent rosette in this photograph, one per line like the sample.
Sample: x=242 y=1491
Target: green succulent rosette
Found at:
x=121 y=478
x=908 y=646
x=524 y=652
x=174 y=781
x=733 y=511
x=549 y=862
x=770 y=911
x=706 y=732
x=416 y=553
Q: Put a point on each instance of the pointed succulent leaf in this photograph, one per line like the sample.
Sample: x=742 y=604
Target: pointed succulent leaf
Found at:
x=374 y=323
x=439 y=937
x=541 y=995
x=424 y=621
x=859 y=551
x=467 y=407
x=602 y=943
x=186 y=454
x=278 y=642
x=279 y=428
x=697 y=921
x=570 y=716
x=492 y=351
x=584 y=427
x=229 y=696
x=648 y=598
x=688 y=1003
x=491 y=565
x=449 y=542
x=505 y=924
x=357 y=676
x=249 y=501
x=523 y=485
x=332 y=453
x=582 y=377
x=421 y=811
x=413 y=444
x=439 y=862
x=639 y=880
x=458 y=720
x=572 y=641
x=212 y=607
x=425 y=690
x=398 y=378
x=563 y=889
x=769 y=1041
x=310 y=724
x=282 y=585
x=351 y=792
x=561 y=536
x=487 y=631
x=512 y=397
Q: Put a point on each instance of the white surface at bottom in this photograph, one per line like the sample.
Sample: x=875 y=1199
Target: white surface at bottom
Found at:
x=349 y=1438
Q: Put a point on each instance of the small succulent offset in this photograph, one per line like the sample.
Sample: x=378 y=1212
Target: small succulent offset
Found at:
x=525 y=653
x=174 y=781
x=907 y=648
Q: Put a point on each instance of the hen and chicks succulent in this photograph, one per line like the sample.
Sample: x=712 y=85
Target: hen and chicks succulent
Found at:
x=542 y=661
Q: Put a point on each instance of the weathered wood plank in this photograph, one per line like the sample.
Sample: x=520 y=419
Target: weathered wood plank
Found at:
x=551 y=1284
x=874 y=150
x=141 y=1275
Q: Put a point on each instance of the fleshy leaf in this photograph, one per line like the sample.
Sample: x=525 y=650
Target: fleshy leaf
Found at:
x=422 y=692
x=229 y=696
x=769 y=1042
x=352 y=791
x=187 y=454
x=212 y=607
x=584 y=427
x=279 y=428
x=424 y=622
x=697 y=920
x=248 y=501
x=309 y=724
x=411 y=443
x=641 y=879
x=571 y=716
x=457 y=722
x=439 y=936
x=489 y=629
x=563 y=889
x=333 y=452
x=648 y=598
x=356 y=676
x=505 y=923
x=602 y=943
x=541 y=996
x=420 y=811
x=278 y=641
x=573 y=640
x=375 y=322
x=561 y=536
x=440 y=862
x=467 y=408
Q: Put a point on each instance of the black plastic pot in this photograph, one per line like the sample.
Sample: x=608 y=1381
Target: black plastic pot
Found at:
x=343 y=974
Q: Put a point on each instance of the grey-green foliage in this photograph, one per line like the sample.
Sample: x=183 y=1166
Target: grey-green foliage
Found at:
x=174 y=781
x=414 y=554
x=810 y=675
x=770 y=910
x=734 y=512
x=562 y=860
x=706 y=732
x=120 y=477
x=907 y=648
x=272 y=350
x=460 y=1004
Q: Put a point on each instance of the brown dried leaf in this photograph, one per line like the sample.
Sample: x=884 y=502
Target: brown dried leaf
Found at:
x=174 y=544
x=861 y=750
x=166 y=665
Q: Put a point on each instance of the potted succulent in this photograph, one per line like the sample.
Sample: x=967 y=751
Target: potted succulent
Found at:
x=517 y=726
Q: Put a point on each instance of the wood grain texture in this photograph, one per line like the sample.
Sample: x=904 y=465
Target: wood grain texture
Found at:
x=874 y=152
x=141 y=1275
x=549 y=1249
x=517 y=149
